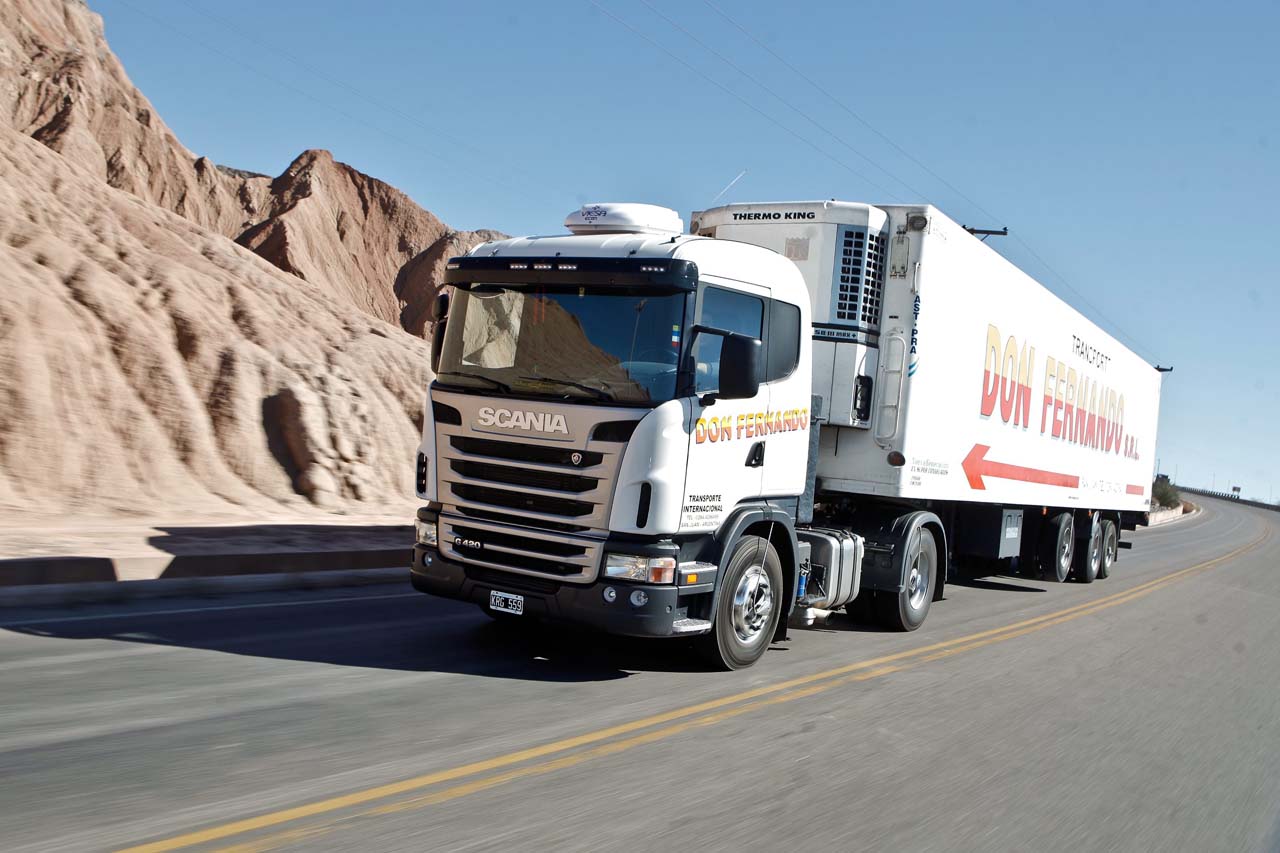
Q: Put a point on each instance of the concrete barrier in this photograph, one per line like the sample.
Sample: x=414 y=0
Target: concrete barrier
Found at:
x=60 y=565
x=1162 y=516
x=1228 y=496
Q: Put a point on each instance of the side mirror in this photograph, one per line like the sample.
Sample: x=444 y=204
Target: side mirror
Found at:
x=437 y=343
x=440 y=319
x=741 y=359
x=440 y=307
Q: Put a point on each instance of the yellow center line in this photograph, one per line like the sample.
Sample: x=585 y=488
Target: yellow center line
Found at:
x=795 y=688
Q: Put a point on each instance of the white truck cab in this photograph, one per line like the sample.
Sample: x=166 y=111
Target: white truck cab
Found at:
x=612 y=408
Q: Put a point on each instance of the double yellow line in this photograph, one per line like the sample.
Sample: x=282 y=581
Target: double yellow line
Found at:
x=619 y=738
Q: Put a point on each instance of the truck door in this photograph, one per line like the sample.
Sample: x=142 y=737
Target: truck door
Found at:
x=725 y=455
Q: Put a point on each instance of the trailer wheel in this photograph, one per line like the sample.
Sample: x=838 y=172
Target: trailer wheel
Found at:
x=905 y=611
x=749 y=606
x=1057 y=546
x=1110 y=548
x=1088 y=560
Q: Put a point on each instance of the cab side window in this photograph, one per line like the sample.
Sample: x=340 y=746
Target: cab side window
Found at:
x=784 y=340
x=733 y=312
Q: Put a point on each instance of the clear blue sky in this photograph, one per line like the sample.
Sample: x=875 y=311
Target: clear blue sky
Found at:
x=1132 y=146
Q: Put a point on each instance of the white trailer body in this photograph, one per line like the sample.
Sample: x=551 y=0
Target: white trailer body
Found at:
x=992 y=388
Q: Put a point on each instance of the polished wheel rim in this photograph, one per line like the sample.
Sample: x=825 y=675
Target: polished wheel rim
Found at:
x=1095 y=553
x=752 y=604
x=917 y=584
x=1111 y=550
x=1064 y=555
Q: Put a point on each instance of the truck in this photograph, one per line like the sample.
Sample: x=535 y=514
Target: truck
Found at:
x=790 y=409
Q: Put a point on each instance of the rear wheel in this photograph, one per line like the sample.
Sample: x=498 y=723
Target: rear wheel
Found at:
x=1088 y=559
x=906 y=610
x=1057 y=546
x=749 y=606
x=1110 y=548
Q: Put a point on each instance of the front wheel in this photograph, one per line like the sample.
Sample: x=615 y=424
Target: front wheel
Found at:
x=905 y=611
x=749 y=606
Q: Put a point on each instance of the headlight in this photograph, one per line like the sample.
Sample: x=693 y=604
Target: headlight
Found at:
x=426 y=531
x=632 y=567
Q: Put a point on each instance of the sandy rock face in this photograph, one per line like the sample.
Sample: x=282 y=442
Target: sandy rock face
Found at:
x=61 y=85
x=420 y=279
x=342 y=232
x=147 y=363
x=346 y=234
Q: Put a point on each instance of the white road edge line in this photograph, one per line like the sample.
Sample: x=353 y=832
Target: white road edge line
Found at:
x=134 y=614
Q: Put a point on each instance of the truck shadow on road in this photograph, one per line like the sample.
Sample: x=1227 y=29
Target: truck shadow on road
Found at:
x=1013 y=584
x=406 y=633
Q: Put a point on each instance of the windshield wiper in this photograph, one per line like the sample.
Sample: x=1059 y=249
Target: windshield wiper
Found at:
x=598 y=393
x=495 y=383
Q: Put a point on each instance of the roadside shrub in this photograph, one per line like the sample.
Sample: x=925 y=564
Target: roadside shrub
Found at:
x=1164 y=494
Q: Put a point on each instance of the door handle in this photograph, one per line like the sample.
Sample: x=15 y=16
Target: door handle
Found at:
x=755 y=456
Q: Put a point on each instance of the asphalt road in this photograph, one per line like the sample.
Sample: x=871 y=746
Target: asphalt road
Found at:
x=1137 y=713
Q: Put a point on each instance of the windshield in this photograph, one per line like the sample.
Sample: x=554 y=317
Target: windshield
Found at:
x=583 y=342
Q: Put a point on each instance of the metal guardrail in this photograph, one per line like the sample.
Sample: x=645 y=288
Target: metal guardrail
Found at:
x=1228 y=496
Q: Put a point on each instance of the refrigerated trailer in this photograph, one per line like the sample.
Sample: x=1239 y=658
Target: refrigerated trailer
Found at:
x=794 y=408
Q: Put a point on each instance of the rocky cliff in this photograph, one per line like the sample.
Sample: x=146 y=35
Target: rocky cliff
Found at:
x=176 y=335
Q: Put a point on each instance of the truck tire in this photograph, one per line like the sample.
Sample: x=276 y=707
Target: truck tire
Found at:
x=1057 y=546
x=1110 y=548
x=1088 y=559
x=749 y=606
x=906 y=610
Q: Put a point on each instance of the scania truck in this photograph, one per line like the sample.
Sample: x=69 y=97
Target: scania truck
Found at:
x=792 y=408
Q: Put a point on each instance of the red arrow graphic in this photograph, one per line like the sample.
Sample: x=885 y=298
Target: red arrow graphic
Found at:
x=976 y=466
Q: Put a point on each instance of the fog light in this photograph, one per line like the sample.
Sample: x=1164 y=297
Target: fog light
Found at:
x=427 y=532
x=639 y=598
x=610 y=594
x=634 y=567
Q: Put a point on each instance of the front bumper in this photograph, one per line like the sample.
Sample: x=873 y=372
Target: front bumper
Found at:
x=582 y=604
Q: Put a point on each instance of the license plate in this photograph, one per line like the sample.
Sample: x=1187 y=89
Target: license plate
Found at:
x=505 y=602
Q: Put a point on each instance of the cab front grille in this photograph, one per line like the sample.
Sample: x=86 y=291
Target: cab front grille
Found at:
x=509 y=581
x=524 y=476
x=489 y=536
x=519 y=550
x=563 y=507
x=517 y=452
x=529 y=505
x=519 y=520
x=520 y=561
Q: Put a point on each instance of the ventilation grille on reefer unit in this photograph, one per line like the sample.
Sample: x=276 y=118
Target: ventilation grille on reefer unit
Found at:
x=859 y=279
